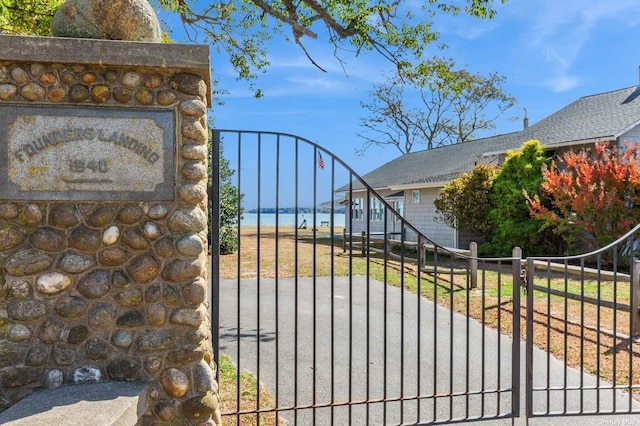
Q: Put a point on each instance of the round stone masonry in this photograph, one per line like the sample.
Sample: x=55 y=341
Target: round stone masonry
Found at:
x=111 y=235
x=52 y=283
x=110 y=289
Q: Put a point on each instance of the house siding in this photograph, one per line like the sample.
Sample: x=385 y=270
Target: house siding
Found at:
x=632 y=136
x=421 y=215
x=374 y=225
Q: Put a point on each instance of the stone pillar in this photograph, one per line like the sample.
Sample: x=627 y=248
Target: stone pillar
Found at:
x=103 y=221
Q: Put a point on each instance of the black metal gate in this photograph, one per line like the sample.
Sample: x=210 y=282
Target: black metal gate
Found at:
x=583 y=312
x=343 y=312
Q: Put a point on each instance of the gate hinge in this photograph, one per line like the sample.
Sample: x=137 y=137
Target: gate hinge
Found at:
x=524 y=284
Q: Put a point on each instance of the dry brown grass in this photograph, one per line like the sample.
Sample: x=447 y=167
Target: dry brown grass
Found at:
x=590 y=341
x=246 y=399
x=583 y=336
x=280 y=249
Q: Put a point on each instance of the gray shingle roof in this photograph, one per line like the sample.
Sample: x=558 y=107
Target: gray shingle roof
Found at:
x=603 y=116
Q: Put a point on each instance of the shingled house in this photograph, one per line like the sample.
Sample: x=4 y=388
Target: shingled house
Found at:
x=410 y=183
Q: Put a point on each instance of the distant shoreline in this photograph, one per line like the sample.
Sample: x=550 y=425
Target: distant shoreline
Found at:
x=290 y=219
x=338 y=209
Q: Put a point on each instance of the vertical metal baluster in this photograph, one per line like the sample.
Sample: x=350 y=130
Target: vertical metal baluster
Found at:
x=277 y=280
x=333 y=287
x=238 y=275
x=615 y=326
x=529 y=342
x=403 y=249
x=633 y=281
x=499 y=357
x=368 y=296
x=451 y=350
x=598 y=327
x=566 y=333
x=581 y=335
x=315 y=283
x=467 y=342
x=214 y=243
x=548 y=343
x=295 y=282
x=384 y=315
x=418 y=328
x=435 y=334
x=515 y=361
x=483 y=339
x=350 y=348
x=258 y=282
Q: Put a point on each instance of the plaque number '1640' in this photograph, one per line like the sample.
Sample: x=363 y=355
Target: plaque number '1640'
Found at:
x=79 y=166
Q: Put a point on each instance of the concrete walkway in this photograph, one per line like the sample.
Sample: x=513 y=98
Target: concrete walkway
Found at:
x=455 y=355
x=96 y=404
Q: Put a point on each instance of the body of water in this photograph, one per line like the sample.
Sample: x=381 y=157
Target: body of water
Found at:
x=288 y=219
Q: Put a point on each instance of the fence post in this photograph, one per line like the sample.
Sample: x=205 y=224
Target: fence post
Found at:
x=635 y=299
x=517 y=254
x=387 y=245
x=473 y=264
x=363 y=238
x=344 y=240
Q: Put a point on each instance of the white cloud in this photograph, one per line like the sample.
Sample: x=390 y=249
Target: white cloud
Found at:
x=366 y=67
x=467 y=27
x=291 y=73
x=299 y=85
x=317 y=84
x=562 y=83
x=557 y=32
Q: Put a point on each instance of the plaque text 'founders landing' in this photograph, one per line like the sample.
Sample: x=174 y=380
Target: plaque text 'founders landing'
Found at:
x=94 y=155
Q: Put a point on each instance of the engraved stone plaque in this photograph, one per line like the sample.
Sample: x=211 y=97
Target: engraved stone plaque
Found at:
x=84 y=153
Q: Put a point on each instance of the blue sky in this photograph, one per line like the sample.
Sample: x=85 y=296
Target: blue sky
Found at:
x=552 y=52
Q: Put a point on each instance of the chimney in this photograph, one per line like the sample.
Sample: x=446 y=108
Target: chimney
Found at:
x=526 y=119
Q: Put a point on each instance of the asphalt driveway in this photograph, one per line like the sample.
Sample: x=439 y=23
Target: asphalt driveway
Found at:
x=353 y=339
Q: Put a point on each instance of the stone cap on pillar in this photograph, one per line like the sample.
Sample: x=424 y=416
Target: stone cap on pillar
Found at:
x=81 y=51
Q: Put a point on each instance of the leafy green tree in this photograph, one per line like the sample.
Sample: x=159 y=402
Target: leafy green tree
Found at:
x=243 y=29
x=512 y=224
x=432 y=104
x=464 y=203
x=396 y=29
x=27 y=16
x=230 y=201
x=229 y=208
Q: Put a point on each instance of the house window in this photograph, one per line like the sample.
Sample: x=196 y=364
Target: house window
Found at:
x=375 y=210
x=357 y=205
x=398 y=206
x=415 y=196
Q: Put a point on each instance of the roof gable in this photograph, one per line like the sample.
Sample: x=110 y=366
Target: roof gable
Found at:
x=596 y=117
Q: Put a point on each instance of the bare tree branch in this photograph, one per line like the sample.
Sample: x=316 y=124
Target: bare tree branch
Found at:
x=433 y=105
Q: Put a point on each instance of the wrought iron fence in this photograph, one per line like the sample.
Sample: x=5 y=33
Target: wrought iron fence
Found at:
x=339 y=314
x=583 y=311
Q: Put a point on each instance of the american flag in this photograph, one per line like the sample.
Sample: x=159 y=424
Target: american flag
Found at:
x=320 y=161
